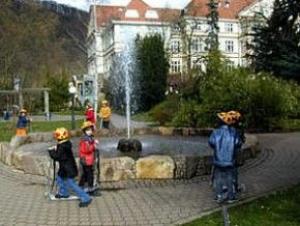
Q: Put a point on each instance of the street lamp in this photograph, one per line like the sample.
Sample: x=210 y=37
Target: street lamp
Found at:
x=72 y=91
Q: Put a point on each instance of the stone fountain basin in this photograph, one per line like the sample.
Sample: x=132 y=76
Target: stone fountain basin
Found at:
x=163 y=157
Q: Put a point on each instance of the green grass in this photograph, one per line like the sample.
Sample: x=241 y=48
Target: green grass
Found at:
x=280 y=209
x=7 y=129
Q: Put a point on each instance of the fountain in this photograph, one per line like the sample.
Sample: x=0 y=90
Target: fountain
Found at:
x=127 y=73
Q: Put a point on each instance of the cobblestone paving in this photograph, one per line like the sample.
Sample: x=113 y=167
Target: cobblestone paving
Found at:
x=150 y=203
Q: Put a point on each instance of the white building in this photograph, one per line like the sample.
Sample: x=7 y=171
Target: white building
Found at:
x=117 y=25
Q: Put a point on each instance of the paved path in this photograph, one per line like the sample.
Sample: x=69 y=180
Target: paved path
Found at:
x=146 y=202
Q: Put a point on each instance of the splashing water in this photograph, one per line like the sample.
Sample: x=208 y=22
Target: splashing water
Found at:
x=123 y=73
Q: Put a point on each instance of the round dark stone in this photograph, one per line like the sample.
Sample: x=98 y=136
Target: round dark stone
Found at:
x=129 y=145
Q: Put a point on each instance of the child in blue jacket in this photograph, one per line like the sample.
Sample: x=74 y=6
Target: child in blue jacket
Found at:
x=225 y=141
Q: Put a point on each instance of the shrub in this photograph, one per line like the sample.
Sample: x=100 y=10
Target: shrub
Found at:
x=261 y=98
x=164 y=112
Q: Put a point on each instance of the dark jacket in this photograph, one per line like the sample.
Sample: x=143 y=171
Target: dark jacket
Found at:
x=64 y=155
x=22 y=122
x=226 y=142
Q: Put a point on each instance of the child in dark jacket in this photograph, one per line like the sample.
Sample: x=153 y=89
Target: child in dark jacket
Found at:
x=87 y=150
x=62 y=153
x=225 y=141
x=22 y=123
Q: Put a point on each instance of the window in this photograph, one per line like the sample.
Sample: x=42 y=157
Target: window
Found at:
x=132 y=13
x=229 y=46
x=175 y=66
x=151 y=14
x=175 y=46
x=199 y=27
x=229 y=27
x=230 y=64
x=197 y=45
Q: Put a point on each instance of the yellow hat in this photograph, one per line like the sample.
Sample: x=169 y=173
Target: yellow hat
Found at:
x=226 y=118
x=61 y=134
x=23 y=111
x=236 y=116
x=86 y=125
x=104 y=102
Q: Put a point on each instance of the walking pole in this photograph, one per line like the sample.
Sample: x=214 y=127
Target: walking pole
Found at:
x=225 y=215
x=97 y=186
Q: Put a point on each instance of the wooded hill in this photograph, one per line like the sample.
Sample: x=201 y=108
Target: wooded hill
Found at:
x=40 y=40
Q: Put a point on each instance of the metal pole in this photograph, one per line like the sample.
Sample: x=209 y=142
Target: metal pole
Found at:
x=73 y=113
x=96 y=64
x=225 y=215
x=46 y=102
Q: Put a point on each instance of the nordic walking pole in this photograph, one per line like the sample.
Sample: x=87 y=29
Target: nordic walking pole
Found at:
x=225 y=215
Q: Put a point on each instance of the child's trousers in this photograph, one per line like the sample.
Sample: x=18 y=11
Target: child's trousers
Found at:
x=87 y=176
x=64 y=184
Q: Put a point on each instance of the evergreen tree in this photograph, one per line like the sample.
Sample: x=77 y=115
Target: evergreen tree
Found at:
x=212 y=40
x=276 y=43
x=153 y=67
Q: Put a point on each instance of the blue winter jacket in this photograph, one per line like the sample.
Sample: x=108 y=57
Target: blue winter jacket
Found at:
x=22 y=122
x=226 y=142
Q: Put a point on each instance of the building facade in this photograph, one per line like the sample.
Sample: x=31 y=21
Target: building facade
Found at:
x=113 y=28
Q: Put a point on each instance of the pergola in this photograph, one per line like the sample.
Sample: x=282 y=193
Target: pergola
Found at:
x=30 y=90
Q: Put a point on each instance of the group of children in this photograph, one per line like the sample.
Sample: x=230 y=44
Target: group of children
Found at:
x=62 y=153
x=226 y=141
x=104 y=114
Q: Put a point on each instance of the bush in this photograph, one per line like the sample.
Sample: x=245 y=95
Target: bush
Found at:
x=164 y=112
x=261 y=98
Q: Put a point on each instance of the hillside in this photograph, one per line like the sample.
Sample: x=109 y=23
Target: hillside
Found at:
x=40 y=39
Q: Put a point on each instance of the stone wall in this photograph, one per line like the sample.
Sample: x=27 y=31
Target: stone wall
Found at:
x=21 y=157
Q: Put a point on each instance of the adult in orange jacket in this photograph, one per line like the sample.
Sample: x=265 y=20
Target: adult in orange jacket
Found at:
x=105 y=114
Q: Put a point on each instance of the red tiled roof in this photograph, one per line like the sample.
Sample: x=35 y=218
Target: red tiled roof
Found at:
x=105 y=13
x=199 y=8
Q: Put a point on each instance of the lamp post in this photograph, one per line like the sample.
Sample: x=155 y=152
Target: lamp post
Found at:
x=96 y=79
x=72 y=91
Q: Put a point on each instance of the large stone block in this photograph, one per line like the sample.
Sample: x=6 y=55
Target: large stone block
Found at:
x=166 y=131
x=186 y=166
x=4 y=147
x=155 y=167
x=115 y=169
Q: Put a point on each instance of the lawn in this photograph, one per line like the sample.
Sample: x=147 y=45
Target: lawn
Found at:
x=7 y=129
x=279 y=209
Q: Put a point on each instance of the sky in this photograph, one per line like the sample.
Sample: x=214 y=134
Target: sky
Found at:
x=84 y=4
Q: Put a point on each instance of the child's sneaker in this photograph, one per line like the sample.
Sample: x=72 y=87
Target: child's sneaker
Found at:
x=231 y=201
x=59 y=196
x=219 y=199
x=85 y=204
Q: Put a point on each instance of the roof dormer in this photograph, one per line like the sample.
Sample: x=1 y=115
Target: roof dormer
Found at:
x=132 y=13
x=151 y=14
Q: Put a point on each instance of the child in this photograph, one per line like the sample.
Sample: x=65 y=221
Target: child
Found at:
x=87 y=148
x=22 y=123
x=225 y=141
x=62 y=153
x=105 y=113
x=90 y=114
